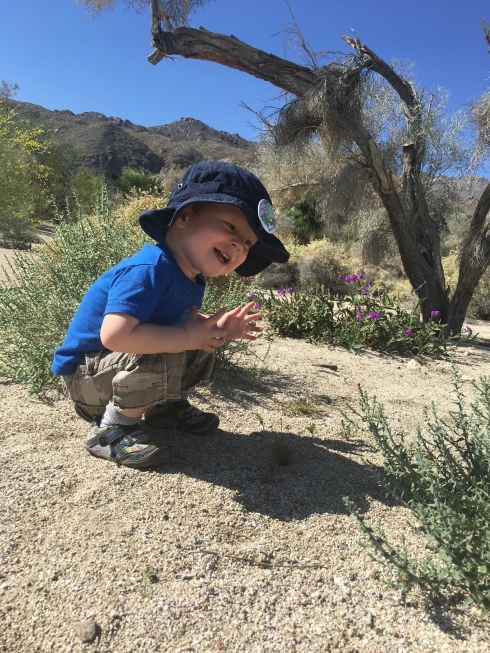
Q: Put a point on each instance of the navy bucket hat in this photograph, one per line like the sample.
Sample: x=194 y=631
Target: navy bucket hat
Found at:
x=224 y=183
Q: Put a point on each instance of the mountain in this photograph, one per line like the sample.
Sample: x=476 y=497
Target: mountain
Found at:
x=105 y=145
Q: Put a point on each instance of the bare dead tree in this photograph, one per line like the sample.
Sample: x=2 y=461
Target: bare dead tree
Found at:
x=325 y=101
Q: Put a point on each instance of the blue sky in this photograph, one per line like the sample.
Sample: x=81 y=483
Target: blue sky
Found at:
x=62 y=59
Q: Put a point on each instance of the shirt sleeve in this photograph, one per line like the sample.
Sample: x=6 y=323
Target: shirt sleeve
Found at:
x=136 y=290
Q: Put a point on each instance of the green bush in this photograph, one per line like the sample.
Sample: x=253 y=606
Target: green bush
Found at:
x=443 y=477
x=43 y=290
x=360 y=319
x=135 y=181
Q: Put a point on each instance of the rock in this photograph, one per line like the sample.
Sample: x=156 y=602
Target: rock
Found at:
x=414 y=366
x=86 y=630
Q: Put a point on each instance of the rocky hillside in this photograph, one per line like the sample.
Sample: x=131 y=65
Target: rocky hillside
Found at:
x=105 y=144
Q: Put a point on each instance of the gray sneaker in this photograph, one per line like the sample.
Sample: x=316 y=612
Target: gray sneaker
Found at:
x=181 y=415
x=124 y=445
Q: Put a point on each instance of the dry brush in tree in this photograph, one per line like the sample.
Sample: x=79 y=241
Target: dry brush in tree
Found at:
x=325 y=101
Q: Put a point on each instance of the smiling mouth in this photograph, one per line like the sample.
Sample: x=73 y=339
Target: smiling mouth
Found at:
x=224 y=258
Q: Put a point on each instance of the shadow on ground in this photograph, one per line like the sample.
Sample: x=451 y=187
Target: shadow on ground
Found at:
x=320 y=474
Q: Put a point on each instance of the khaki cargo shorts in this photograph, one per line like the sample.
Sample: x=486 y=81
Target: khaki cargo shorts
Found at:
x=133 y=381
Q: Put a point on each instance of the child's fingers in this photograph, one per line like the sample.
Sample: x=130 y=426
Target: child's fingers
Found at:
x=193 y=313
x=251 y=318
x=214 y=319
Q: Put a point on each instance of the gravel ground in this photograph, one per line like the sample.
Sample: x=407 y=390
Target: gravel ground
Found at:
x=219 y=550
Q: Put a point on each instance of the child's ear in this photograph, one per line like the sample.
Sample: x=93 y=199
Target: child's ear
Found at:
x=182 y=218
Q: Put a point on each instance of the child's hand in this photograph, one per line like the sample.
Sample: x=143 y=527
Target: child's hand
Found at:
x=203 y=333
x=236 y=323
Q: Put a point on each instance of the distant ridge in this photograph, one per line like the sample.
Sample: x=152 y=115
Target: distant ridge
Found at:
x=105 y=145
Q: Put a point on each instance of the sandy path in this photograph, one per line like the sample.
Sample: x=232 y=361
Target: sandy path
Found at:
x=247 y=558
x=6 y=256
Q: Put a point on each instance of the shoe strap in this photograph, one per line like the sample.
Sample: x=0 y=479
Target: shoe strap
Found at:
x=117 y=433
x=191 y=410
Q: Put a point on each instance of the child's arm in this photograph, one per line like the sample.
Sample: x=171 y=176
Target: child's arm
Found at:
x=120 y=332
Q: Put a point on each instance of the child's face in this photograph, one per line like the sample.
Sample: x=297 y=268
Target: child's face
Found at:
x=215 y=240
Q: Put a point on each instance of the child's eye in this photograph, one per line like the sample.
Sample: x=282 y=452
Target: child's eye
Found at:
x=248 y=243
x=232 y=226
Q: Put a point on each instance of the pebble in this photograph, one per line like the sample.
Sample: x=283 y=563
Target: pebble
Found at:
x=86 y=630
x=414 y=366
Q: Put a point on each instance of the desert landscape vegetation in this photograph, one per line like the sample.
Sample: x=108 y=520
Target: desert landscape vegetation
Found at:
x=342 y=505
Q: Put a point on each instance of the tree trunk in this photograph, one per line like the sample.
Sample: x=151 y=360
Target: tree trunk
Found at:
x=415 y=231
x=475 y=259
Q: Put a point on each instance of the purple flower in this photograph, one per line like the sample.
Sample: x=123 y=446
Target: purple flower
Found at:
x=468 y=329
x=257 y=305
x=290 y=289
x=425 y=280
x=364 y=291
x=314 y=293
x=253 y=294
x=360 y=274
x=340 y=277
x=375 y=293
x=359 y=324
x=281 y=292
x=408 y=332
x=358 y=308
x=360 y=316
x=435 y=313
x=374 y=316
x=369 y=283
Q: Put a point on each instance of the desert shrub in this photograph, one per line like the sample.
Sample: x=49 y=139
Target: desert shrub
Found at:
x=362 y=318
x=18 y=233
x=229 y=292
x=85 y=187
x=450 y=265
x=443 y=477
x=43 y=290
x=134 y=181
x=136 y=205
x=304 y=218
x=318 y=262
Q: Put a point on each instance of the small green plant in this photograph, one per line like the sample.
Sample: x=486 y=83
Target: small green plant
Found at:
x=149 y=578
x=346 y=431
x=304 y=405
x=311 y=428
x=260 y=419
x=281 y=451
x=443 y=477
x=362 y=318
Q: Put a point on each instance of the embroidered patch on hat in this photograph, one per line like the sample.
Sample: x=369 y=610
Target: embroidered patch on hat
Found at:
x=267 y=216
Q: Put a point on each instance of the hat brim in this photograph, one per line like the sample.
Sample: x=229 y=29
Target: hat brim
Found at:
x=268 y=248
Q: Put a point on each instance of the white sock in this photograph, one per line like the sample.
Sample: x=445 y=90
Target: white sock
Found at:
x=111 y=418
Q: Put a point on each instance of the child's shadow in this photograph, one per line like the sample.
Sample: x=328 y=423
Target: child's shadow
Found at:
x=315 y=481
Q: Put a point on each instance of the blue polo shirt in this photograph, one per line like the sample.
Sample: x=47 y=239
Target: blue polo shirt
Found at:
x=149 y=286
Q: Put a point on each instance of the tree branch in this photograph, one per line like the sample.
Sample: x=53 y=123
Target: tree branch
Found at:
x=231 y=52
